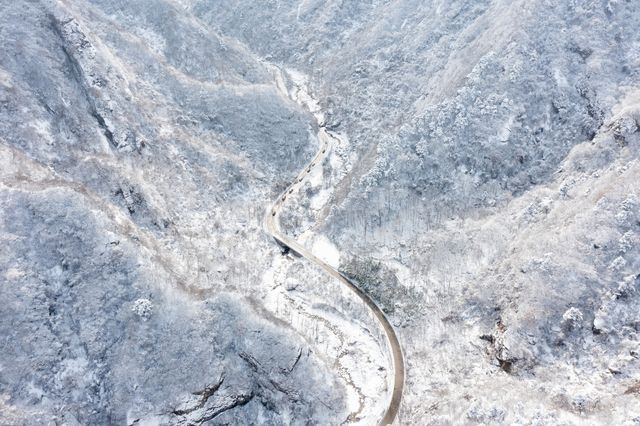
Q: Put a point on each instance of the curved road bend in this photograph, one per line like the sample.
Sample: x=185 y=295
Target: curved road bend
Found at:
x=273 y=227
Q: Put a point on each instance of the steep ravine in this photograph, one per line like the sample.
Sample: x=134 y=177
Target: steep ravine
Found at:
x=272 y=224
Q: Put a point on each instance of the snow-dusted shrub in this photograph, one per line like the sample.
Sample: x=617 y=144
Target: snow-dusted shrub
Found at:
x=572 y=319
x=143 y=308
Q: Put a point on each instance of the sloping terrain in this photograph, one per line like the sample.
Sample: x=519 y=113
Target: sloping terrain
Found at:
x=483 y=188
x=487 y=192
x=134 y=179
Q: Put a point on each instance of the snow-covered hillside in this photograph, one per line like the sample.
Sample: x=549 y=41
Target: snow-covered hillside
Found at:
x=483 y=187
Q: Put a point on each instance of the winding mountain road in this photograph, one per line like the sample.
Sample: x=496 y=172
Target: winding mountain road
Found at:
x=272 y=225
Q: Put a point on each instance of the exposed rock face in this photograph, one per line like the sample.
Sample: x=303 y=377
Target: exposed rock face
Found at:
x=483 y=188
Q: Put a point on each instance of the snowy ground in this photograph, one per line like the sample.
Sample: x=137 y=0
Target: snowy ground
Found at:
x=482 y=187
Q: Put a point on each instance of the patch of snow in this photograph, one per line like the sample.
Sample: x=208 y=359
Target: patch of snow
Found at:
x=326 y=250
x=143 y=308
x=303 y=97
